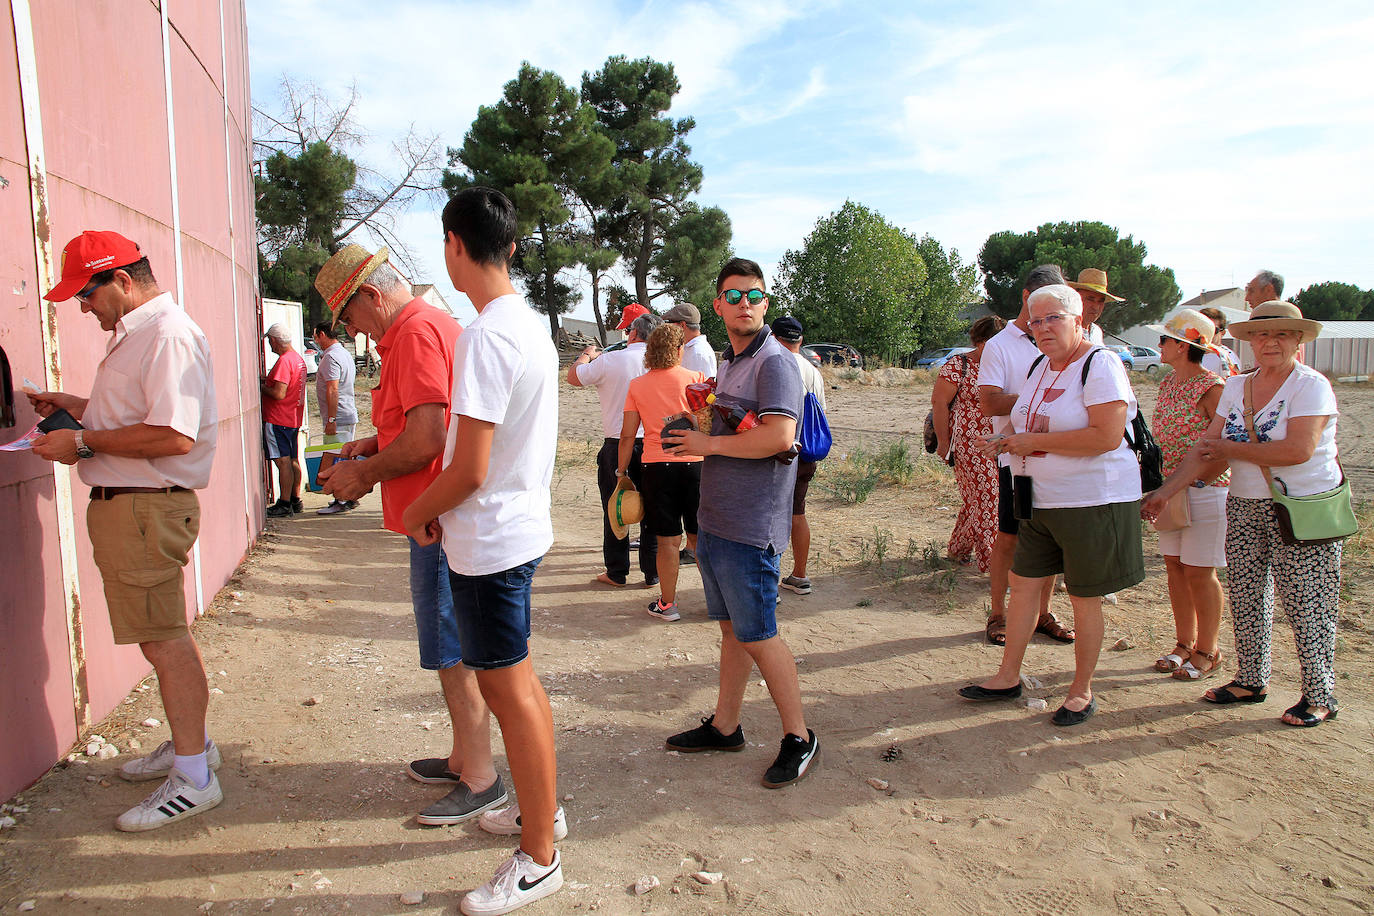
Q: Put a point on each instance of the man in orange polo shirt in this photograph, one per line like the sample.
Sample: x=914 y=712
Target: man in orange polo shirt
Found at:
x=410 y=408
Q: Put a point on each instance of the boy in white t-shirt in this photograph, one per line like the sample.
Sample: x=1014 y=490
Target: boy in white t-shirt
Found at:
x=491 y=506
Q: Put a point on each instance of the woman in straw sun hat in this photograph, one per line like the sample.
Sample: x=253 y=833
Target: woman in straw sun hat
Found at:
x=1188 y=398
x=1292 y=410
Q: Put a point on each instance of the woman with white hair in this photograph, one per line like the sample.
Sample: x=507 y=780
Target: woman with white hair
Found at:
x=1277 y=423
x=1076 y=491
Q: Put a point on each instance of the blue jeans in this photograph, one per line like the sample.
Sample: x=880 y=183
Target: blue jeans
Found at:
x=435 y=622
x=741 y=585
x=494 y=615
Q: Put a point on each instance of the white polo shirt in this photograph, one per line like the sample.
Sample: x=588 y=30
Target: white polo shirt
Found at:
x=1007 y=357
x=698 y=356
x=611 y=373
x=157 y=371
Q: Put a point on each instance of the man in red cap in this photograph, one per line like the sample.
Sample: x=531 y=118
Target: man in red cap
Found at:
x=627 y=317
x=146 y=443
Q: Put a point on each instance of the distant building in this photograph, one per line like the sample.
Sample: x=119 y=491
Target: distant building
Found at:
x=430 y=293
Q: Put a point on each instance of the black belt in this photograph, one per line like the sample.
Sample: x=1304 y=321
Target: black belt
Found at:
x=112 y=492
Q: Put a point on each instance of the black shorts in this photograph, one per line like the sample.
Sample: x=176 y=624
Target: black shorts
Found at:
x=670 y=492
x=805 y=471
x=1006 y=518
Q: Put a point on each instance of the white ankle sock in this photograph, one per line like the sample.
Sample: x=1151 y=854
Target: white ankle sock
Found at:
x=194 y=768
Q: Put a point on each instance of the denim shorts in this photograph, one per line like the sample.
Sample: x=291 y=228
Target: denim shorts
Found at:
x=741 y=585
x=435 y=623
x=494 y=615
x=279 y=441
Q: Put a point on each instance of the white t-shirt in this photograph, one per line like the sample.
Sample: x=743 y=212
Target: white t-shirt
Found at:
x=505 y=371
x=1007 y=357
x=698 y=356
x=1225 y=365
x=1061 y=402
x=1094 y=335
x=811 y=377
x=1305 y=393
x=611 y=374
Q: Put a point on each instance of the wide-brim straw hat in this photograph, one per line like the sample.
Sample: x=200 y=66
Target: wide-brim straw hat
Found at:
x=1188 y=326
x=345 y=271
x=1276 y=315
x=625 y=507
x=1095 y=280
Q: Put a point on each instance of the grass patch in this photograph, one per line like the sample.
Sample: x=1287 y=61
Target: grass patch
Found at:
x=852 y=477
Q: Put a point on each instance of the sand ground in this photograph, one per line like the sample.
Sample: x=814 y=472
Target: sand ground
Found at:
x=1161 y=804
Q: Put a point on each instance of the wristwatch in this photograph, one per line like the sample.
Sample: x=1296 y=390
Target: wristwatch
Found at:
x=82 y=449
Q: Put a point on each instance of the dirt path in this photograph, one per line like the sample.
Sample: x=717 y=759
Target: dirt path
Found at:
x=1160 y=805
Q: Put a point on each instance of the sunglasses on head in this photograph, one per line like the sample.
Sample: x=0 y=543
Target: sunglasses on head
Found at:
x=733 y=296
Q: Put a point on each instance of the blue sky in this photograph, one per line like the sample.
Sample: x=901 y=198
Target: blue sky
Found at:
x=1228 y=137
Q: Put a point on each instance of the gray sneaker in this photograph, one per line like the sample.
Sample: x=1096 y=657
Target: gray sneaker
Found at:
x=462 y=803
x=798 y=584
x=158 y=764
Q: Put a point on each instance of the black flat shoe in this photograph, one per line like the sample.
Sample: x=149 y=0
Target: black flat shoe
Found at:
x=1302 y=712
x=1065 y=716
x=1222 y=696
x=983 y=694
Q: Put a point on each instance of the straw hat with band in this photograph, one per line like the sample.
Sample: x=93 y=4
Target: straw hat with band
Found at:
x=1189 y=326
x=345 y=271
x=1275 y=315
x=1090 y=278
x=625 y=507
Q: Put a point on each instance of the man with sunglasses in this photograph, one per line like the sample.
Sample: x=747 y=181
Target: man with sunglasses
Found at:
x=744 y=520
x=146 y=445
x=410 y=409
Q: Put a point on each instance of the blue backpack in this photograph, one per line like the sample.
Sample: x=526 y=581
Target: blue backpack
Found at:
x=813 y=432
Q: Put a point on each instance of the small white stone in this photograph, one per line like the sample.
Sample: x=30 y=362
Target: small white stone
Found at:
x=6 y=822
x=135 y=744
x=224 y=674
x=206 y=907
x=92 y=749
x=216 y=690
x=879 y=784
x=1122 y=644
x=267 y=904
x=20 y=809
x=108 y=751
x=568 y=797
x=98 y=739
x=411 y=898
x=645 y=883
x=322 y=882
x=763 y=683
x=427 y=726
x=1031 y=683
x=708 y=877
x=27 y=905
x=1035 y=704
x=151 y=723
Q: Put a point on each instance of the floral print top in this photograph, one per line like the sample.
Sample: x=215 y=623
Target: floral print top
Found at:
x=1178 y=420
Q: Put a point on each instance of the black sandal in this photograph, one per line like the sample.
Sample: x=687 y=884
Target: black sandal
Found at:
x=1302 y=713
x=996 y=630
x=1222 y=696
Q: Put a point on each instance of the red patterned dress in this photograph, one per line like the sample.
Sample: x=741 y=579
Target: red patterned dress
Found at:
x=976 y=474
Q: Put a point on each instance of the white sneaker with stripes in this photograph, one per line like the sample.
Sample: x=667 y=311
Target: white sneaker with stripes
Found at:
x=174 y=800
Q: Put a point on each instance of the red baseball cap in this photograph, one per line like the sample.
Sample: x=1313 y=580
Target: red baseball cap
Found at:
x=87 y=255
x=632 y=311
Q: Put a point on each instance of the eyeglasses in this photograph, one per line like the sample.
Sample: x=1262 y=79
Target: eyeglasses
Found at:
x=733 y=296
x=1048 y=320
x=89 y=291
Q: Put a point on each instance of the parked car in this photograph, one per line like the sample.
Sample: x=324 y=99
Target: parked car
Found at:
x=811 y=357
x=938 y=358
x=1125 y=354
x=1146 y=360
x=831 y=354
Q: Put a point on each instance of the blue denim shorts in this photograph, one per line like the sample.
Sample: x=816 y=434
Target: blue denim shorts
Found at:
x=279 y=441
x=435 y=622
x=494 y=616
x=741 y=585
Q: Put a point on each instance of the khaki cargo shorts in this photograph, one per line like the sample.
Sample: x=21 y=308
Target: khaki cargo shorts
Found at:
x=141 y=542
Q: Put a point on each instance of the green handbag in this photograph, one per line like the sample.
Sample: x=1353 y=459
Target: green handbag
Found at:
x=1317 y=519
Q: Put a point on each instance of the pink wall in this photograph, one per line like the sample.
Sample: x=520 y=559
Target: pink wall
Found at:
x=108 y=166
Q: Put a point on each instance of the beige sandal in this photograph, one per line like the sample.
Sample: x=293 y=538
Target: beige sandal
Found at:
x=1174 y=660
x=1190 y=672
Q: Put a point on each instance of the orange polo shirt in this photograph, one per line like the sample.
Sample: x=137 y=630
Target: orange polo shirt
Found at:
x=417 y=368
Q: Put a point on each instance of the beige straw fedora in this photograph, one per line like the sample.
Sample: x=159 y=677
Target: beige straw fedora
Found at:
x=345 y=271
x=625 y=507
x=1277 y=316
x=1095 y=280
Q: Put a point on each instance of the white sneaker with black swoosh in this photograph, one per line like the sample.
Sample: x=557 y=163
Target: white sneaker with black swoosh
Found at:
x=520 y=880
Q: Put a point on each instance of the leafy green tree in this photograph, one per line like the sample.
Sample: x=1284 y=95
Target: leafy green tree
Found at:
x=538 y=146
x=1335 y=302
x=1149 y=291
x=950 y=287
x=857 y=279
x=664 y=238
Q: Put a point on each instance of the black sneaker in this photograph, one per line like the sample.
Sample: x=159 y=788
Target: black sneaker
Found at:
x=794 y=760
x=462 y=803
x=706 y=737
x=297 y=506
x=279 y=509
x=687 y=557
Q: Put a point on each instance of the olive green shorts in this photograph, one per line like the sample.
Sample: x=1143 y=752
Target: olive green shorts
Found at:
x=1097 y=548
x=141 y=541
